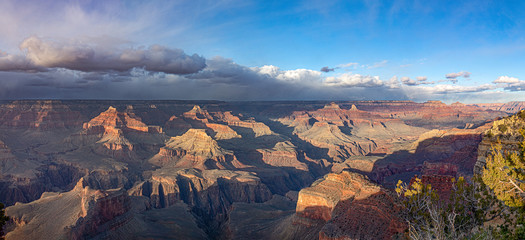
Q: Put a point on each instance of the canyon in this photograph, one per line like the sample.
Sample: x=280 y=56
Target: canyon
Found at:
x=229 y=170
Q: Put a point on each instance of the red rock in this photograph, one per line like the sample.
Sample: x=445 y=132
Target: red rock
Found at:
x=375 y=217
x=112 y=118
x=195 y=149
x=319 y=200
x=197 y=113
x=222 y=132
x=284 y=154
x=73 y=215
x=40 y=115
x=351 y=206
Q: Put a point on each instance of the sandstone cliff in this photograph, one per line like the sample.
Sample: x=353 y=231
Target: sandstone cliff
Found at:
x=209 y=193
x=195 y=149
x=118 y=134
x=44 y=115
x=352 y=207
x=71 y=215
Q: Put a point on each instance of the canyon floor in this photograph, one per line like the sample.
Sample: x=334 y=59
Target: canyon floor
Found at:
x=86 y=169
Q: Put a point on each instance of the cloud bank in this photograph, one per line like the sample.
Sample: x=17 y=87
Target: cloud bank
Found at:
x=75 y=69
x=40 y=55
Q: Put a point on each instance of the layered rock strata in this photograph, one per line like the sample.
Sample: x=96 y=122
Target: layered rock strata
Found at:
x=71 y=215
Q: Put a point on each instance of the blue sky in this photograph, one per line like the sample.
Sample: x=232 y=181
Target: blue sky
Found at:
x=468 y=51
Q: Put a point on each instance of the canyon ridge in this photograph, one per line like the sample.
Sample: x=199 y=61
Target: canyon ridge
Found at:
x=95 y=169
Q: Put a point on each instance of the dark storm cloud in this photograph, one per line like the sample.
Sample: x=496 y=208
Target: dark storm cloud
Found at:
x=42 y=54
x=222 y=79
x=222 y=70
x=17 y=63
x=327 y=69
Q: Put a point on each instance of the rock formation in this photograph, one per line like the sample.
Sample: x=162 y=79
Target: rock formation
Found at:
x=72 y=215
x=510 y=107
x=340 y=146
x=211 y=191
x=195 y=149
x=118 y=133
x=229 y=170
x=319 y=200
x=222 y=132
x=283 y=154
x=349 y=206
x=45 y=115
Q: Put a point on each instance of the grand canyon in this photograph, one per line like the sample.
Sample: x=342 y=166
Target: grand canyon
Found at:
x=246 y=119
x=101 y=169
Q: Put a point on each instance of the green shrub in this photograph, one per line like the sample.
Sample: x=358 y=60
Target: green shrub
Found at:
x=502 y=128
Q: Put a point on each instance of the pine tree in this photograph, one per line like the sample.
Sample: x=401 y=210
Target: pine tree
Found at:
x=504 y=174
x=3 y=220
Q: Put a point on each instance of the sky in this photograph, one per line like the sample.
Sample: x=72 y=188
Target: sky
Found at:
x=467 y=51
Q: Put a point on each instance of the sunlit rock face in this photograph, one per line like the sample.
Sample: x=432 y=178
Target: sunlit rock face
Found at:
x=352 y=208
x=76 y=214
x=195 y=149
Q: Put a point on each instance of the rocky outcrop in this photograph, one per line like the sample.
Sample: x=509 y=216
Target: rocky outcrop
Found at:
x=331 y=113
x=248 y=126
x=319 y=200
x=195 y=149
x=351 y=206
x=350 y=132
x=340 y=146
x=283 y=154
x=197 y=113
x=510 y=107
x=44 y=115
x=118 y=134
x=210 y=193
x=222 y=132
x=374 y=217
x=125 y=121
x=72 y=215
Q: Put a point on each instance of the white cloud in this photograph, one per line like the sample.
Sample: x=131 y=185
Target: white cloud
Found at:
x=419 y=80
x=445 y=89
x=506 y=79
x=297 y=75
x=393 y=82
x=354 y=80
x=422 y=78
x=510 y=83
x=408 y=81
